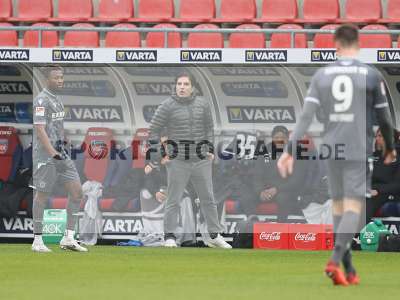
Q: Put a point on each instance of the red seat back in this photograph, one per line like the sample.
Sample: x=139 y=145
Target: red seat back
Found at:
x=238 y=9
x=247 y=40
x=81 y=38
x=139 y=148
x=279 y=9
x=156 y=39
x=393 y=9
x=35 y=9
x=49 y=38
x=123 y=39
x=325 y=40
x=8 y=38
x=109 y=9
x=204 y=9
x=206 y=39
x=163 y=9
x=9 y=142
x=315 y=9
x=97 y=146
x=363 y=10
x=5 y=9
x=383 y=40
x=283 y=40
x=75 y=9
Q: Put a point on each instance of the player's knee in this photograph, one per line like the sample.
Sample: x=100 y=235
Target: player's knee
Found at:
x=41 y=197
x=77 y=194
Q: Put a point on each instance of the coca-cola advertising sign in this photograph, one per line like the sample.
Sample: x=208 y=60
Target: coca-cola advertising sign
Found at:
x=305 y=236
x=270 y=236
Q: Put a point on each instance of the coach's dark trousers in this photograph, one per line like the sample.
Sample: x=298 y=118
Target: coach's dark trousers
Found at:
x=200 y=173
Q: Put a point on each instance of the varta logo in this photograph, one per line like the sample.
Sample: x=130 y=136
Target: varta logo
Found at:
x=72 y=55
x=136 y=55
x=261 y=114
x=388 y=55
x=12 y=54
x=266 y=55
x=323 y=55
x=201 y=55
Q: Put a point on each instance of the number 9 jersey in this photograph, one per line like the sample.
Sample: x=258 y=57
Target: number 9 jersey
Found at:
x=349 y=95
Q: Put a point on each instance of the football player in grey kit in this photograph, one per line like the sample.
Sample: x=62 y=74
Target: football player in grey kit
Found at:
x=51 y=162
x=346 y=95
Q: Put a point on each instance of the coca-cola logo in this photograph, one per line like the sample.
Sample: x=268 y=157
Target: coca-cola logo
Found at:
x=270 y=236
x=305 y=236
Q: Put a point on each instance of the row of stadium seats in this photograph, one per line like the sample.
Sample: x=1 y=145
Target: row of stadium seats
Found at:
x=51 y=39
x=200 y=11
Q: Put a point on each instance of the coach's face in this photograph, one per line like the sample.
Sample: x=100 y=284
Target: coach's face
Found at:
x=184 y=87
x=56 y=79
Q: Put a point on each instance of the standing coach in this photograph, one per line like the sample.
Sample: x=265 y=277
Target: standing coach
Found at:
x=186 y=120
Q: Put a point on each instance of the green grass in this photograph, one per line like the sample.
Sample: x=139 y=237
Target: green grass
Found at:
x=145 y=273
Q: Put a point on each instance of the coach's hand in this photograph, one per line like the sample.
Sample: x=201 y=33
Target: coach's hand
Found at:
x=285 y=165
x=59 y=162
x=390 y=157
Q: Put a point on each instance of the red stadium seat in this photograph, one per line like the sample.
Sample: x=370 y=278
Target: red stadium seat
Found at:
x=278 y=11
x=74 y=11
x=81 y=38
x=97 y=153
x=196 y=11
x=382 y=40
x=205 y=40
x=34 y=10
x=237 y=11
x=9 y=147
x=325 y=40
x=155 y=11
x=8 y=38
x=156 y=39
x=283 y=40
x=392 y=12
x=123 y=39
x=247 y=40
x=114 y=11
x=317 y=11
x=49 y=38
x=362 y=11
x=5 y=10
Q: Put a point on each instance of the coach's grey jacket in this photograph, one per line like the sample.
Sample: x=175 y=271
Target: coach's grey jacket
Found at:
x=183 y=120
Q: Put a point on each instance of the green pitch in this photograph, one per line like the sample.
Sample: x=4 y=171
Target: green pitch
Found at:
x=145 y=273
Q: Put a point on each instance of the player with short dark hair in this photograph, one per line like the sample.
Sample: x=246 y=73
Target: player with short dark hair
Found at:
x=51 y=162
x=346 y=95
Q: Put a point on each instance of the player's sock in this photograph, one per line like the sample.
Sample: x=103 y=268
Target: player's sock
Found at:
x=347 y=227
x=72 y=211
x=347 y=263
x=37 y=212
x=347 y=259
x=37 y=238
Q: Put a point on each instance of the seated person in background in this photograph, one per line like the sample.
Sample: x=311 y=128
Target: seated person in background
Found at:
x=126 y=184
x=385 y=179
x=270 y=186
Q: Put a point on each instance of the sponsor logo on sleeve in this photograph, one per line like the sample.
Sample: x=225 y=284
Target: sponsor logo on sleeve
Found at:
x=261 y=114
x=266 y=55
x=323 y=55
x=136 y=55
x=388 y=55
x=72 y=55
x=39 y=111
x=201 y=55
x=14 y=54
